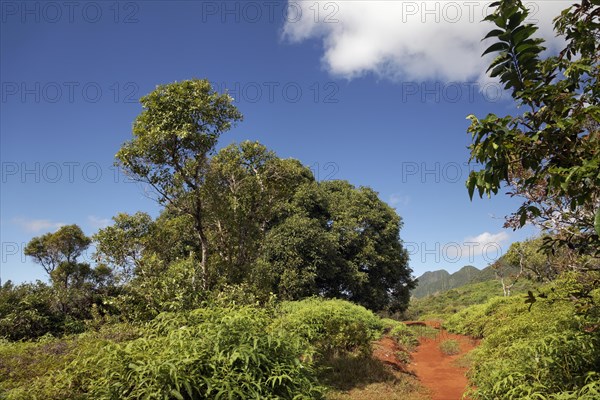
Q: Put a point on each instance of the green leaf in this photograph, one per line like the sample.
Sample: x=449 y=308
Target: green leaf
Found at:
x=500 y=59
x=523 y=32
x=471 y=186
x=176 y=394
x=516 y=19
x=597 y=221
x=493 y=33
x=496 y=47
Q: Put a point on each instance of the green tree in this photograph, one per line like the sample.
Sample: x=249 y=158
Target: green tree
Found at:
x=549 y=155
x=246 y=189
x=159 y=286
x=174 y=136
x=76 y=286
x=299 y=258
x=26 y=311
x=122 y=244
x=374 y=270
x=63 y=246
x=173 y=237
x=337 y=241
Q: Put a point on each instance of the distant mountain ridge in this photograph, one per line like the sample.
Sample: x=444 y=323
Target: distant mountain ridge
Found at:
x=432 y=282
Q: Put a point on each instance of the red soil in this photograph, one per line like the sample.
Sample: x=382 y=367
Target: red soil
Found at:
x=385 y=350
x=437 y=371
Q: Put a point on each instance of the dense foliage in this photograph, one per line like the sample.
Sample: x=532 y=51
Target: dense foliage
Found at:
x=330 y=326
x=212 y=352
x=550 y=350
x=549 y=155
x=237 y=225
x=201 y=302
x=547 y=345
x=444 y=305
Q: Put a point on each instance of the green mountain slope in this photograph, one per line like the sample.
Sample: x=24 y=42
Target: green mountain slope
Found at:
x=436 y=282
x=444 y=304
x=440 y=281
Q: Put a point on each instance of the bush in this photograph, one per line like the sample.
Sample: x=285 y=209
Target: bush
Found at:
x=424 y=331
x=205 y=353
x=26 y=311
x=330 y=326
x=450 y=347
x=235 y=352
x=549 y=352
x=27 y=364
x=405 y=336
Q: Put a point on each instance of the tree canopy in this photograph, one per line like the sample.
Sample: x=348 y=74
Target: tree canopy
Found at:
x=63 y=246
x=237 y=224
x=174 y=136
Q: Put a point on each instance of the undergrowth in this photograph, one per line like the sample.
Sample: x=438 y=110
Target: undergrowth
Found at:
x=550 y=350
x=281 y=351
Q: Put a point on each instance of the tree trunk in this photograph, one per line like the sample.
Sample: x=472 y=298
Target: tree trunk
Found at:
x=203 y=244
x=203 y=259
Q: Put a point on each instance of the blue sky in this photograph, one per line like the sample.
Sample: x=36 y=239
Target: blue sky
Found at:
x=373 y=92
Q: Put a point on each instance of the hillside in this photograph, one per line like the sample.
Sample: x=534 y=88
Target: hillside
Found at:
x=433 y=282
x=444 y=304
x=436 y=282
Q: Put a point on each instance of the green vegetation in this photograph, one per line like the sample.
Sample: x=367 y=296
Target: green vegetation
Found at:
x=244 y=352
x=405 y=336
x=243 y=216
x=257 y=281
x=238 y=225
x=331 y=326
x=547 y=344
x=444 y=305
x=223 y=295
x=548 y=154
x=450 y=347
x=551 y=351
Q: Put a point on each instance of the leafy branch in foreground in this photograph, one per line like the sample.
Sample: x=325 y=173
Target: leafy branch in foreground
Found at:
x=550 y=154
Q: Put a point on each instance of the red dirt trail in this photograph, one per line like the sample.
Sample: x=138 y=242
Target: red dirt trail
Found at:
x=437 y=371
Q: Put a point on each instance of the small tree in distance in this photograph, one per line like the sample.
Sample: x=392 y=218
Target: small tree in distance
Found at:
x=63 y=246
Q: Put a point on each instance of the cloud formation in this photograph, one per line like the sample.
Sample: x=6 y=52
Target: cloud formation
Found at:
x=406 y=40
x=37 y=225
x=398 y=200
x=97 y=222
x=489 y=245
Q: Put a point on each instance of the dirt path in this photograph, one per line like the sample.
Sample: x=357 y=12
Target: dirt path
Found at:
x=437 y=371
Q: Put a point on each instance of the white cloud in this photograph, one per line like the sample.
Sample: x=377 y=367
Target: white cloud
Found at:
x=98 y=223
x=37 y=225
x=405 y=40
x=488 y=245
x=398 y=200
x=483 y=248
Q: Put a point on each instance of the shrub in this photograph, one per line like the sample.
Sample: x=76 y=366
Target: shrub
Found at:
x=424 y=331
x=26 y=311
x=551 y=351
x=205 y=353
x=234 y=352
x=450 y=347
x=24 y=365
x=330 y=326
x=405 y=336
